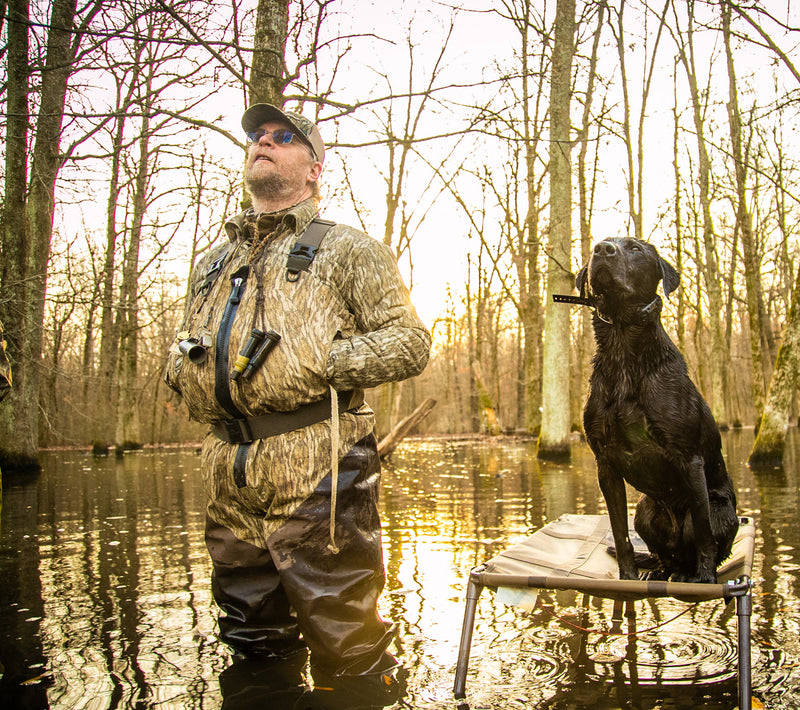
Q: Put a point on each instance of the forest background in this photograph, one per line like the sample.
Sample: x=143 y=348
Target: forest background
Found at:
x=488 y=143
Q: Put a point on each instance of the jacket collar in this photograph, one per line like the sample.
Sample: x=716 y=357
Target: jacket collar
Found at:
x=297 y=218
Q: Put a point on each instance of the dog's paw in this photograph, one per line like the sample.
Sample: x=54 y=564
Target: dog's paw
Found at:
x=647 y=561
x=628 y=573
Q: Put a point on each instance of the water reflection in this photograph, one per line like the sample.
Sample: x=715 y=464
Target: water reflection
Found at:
x=105 y=600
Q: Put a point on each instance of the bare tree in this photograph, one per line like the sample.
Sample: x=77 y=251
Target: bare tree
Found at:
x=556 y=419
x=744 y=228
x=768 y=448
x=27 y=234
x=719 y=356
x=635 y=178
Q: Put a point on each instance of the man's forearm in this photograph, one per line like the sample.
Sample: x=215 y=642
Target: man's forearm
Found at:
x=387 y=355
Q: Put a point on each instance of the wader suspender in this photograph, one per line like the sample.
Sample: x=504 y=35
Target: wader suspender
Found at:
x=305 y=248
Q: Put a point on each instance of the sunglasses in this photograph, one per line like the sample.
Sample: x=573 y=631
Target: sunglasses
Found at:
x=280 y=137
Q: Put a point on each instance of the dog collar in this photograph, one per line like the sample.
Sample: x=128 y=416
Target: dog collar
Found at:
x=653 y=307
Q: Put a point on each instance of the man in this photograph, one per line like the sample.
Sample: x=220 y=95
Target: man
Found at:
x=290 y=465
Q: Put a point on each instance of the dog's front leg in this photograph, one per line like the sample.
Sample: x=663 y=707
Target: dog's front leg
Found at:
x=613 y=488
x=700 y=507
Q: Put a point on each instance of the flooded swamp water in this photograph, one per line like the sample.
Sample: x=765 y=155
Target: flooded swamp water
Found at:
x=105 y=588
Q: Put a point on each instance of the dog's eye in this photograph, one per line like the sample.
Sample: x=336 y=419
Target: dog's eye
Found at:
x=635 y=247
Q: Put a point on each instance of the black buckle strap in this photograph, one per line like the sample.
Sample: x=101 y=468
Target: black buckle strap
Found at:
x=238 y=431
x=213 y=272
x=645 y=312
x=299 y=259
x=245 y=431
x=305 y=248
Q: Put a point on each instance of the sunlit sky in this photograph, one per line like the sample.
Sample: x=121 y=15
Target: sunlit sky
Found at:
x=481 y=45
x=480 y=42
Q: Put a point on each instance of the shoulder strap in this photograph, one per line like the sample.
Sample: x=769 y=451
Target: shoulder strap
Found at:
x=305 y=248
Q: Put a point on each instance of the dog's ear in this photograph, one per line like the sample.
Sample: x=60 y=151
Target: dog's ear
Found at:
x=580 y=281
x=670 y=277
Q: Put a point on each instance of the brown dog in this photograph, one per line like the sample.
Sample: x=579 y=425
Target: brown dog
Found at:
x=647 y=424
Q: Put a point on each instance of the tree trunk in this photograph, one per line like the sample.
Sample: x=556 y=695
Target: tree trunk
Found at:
x=528 y=249
x=19 y=435
x=519 y=349
x=719 y=399
x=554 y=435
x=752 y=265
x=109 y=327
x=128 y=433
x=267 y=78
x=585 y=204
x=488 y=406
x=474 y=403
x=770 y=442
x=267 y=74
x=679 y=248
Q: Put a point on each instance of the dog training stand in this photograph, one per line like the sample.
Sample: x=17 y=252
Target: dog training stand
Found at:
x=538 y=562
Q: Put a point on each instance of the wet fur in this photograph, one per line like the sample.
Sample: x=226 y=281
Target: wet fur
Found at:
x=647 y=424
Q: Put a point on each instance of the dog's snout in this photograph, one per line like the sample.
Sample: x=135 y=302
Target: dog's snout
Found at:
x=605 y=249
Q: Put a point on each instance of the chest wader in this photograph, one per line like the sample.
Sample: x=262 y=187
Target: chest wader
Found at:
x=297 y=592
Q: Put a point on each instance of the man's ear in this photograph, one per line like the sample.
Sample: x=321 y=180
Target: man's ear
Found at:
x=315 y=171
x=580 y=281
x=670 y=276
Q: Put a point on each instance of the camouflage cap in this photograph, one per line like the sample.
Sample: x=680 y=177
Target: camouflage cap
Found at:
x=307 y=131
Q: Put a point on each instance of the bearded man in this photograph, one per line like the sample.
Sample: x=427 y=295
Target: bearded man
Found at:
x=285 y=325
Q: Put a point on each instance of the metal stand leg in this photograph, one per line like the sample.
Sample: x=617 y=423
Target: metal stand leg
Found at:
x=744 y=607
x=473 y=592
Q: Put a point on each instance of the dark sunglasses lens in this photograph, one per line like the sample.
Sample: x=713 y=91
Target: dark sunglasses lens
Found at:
x=282 y=137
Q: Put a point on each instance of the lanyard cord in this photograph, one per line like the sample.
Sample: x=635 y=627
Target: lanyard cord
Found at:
x=334 y=467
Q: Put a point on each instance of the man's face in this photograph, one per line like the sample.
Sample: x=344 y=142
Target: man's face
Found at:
x=279 y=171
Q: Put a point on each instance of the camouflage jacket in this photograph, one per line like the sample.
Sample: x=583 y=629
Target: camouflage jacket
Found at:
x=5 y=367
x=346 y=323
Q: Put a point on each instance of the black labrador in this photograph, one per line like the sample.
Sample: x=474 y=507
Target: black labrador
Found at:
x=647 y=424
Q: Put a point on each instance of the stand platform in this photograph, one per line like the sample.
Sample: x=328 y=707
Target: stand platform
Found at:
x=572 y=553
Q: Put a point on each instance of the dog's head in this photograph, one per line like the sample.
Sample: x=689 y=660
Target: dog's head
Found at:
x=625 y=272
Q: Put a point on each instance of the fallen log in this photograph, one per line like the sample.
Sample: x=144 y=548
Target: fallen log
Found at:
x=403 y=427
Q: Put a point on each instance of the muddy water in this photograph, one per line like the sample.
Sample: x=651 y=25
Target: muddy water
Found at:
x=105 y=589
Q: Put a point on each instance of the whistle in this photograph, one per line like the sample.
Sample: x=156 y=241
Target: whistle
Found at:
x=256 y=338
x=271 y=340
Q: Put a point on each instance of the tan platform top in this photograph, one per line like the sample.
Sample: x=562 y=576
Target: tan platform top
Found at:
x=573 y=552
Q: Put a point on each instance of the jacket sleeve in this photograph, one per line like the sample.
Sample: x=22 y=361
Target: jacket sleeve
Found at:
x=393 y=343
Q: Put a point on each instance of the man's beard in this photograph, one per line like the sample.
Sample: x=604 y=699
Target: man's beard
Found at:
x=267 y=186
